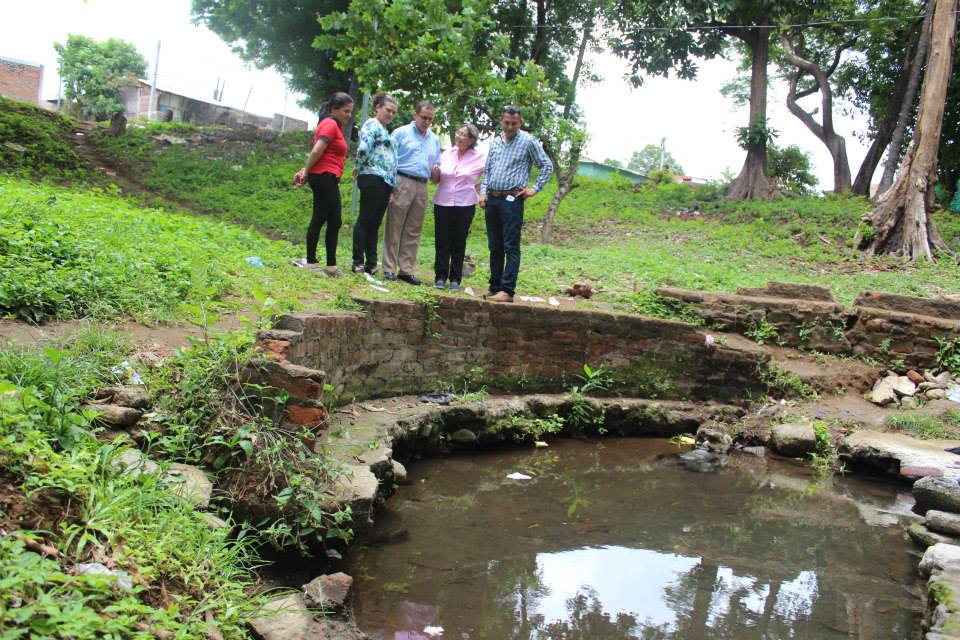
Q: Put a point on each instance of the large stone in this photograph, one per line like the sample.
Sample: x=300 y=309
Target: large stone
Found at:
x=789 y=290
x=794 y=440
x=287 y=618
x=714 y=439
x=924 y=537
x=134 y=396
x=899 y=455
x=133 y=462
x=938 y=493
x=943 y=522
x=113 y=416
x=329 y=592
x=463 y=436
x=903 y=385
x=190 y=483
x=937 y=557
x=942 y=616
x=358 y=488
x=882 y=392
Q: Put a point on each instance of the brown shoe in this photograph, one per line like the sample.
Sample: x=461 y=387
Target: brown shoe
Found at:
x=501 y=296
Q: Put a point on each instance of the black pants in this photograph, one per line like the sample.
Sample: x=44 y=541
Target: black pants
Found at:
x=450 y=232
x=326 y=210
x=374 y=196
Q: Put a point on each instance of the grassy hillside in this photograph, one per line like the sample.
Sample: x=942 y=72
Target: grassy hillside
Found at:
x=37 y=143
x=621 y=240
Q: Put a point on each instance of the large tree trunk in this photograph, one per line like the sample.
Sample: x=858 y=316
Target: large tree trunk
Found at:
x=823 y=130
x=564 y=186
x=884 y=134
x=572 y=93
x=753 y=181
x=906 y=108
x=901 y=221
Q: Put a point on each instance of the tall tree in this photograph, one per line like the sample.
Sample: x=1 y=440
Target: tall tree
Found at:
x=803 y=64
x=660 y=37
x=651 y=158
x=94 y=73
x=901 y=222
x=279 y=34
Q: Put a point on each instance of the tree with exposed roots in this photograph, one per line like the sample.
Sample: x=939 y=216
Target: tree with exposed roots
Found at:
x=901 y=221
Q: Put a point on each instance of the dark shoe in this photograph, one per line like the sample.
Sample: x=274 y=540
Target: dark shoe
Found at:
x=409 y=279
x=388 y=275
x=371 y=270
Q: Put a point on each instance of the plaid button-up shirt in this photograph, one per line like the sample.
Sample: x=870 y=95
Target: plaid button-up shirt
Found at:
x=509 y=164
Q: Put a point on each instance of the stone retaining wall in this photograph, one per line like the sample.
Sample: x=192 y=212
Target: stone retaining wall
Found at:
x=402 y=347
x=883 y=326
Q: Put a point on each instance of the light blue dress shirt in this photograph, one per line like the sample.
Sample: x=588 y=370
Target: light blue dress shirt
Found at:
x=416 y=154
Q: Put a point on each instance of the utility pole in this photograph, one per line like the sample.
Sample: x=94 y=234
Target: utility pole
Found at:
x=153 y=87
x=663 y=151
x=243 y=116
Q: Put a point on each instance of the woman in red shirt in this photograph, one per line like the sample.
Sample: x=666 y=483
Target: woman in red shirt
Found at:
x=323 y=170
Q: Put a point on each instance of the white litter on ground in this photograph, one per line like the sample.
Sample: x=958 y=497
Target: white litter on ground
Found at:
x=519 y=476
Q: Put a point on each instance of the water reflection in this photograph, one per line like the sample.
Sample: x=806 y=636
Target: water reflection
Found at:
x=617 y=540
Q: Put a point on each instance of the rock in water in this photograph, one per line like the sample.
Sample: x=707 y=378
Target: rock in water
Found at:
x=936 y=492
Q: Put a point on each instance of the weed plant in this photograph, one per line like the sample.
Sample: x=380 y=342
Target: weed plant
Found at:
x=186 y=579
x=88 y=253
x=926 y=426
x=37 y=143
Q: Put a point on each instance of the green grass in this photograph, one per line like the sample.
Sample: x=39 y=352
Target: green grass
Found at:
x=624 y=241
x=926 y=426
x=34 y=142
x=186 y=576
x=73 y=253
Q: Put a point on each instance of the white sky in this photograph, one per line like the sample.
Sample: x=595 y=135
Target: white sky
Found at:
x=696 y=120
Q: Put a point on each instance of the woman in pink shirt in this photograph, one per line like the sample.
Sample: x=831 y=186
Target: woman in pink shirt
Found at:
x=454 y=204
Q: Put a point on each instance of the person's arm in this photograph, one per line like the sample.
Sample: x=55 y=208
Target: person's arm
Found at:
x=364 y=146
x=543 y=163
x=483 y=182
x=300 y=177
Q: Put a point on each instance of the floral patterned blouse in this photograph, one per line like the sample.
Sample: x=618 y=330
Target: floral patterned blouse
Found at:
x=377 y=152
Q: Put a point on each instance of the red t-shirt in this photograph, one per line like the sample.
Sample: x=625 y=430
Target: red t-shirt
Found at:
x=336 y=152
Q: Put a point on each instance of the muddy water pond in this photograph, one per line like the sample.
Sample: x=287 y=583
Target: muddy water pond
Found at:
x=635 y=538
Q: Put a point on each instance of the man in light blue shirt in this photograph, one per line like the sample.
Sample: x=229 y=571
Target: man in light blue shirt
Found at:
x=418 y=160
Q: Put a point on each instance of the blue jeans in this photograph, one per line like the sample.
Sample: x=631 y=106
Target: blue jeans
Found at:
x=504 y=222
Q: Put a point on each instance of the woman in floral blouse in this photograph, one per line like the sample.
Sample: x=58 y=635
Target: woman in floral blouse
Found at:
x=376 y=177
x=455 y=203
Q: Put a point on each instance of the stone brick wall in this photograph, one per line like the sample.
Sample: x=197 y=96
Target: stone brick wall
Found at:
x=886 y=327
x=401 y=347
x=20 y=80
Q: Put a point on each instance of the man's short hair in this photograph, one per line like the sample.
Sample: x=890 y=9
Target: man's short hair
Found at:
x=423 y=105
x=509 y=109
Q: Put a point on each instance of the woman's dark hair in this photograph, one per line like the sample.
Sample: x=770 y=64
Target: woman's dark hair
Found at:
x=338 y=100
x=381 y=98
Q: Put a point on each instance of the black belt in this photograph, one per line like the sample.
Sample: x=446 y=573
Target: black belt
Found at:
x=504 y=194
x=407 y=175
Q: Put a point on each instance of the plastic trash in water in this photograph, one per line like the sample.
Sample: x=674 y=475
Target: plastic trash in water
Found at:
x=519 y=476
x=553 y=302
x=254 y=261
x=433 y=631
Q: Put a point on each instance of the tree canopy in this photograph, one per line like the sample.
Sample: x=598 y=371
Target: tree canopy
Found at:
x=279 y=34
x=647 y=160
x=94 y=73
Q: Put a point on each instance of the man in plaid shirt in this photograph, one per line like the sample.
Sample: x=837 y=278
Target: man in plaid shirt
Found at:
x=502 y=194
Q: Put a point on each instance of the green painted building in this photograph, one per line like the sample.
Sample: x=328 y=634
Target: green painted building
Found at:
x=592 y=169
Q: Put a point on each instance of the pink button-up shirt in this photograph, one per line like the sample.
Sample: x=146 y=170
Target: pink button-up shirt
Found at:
x=458 y=178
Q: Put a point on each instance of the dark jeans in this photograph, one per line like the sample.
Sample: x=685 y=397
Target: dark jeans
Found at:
x=504 y=222
x=450 y=234
x=374 y=196
x=326 y=211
